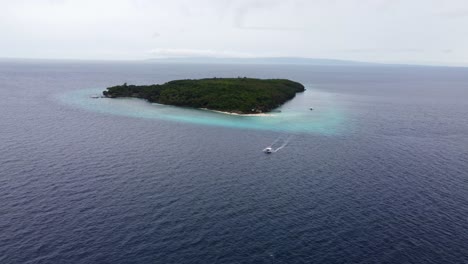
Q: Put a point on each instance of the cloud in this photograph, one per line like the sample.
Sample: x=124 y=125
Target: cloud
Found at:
x=187 y=53
x=462 y=13
x=373 y=30
x=382 y=50
x=57 y=2
x=390 y=51
x=245 y=9
x=271 y=28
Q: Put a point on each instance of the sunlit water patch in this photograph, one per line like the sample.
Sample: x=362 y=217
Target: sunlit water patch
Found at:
x=294 y=116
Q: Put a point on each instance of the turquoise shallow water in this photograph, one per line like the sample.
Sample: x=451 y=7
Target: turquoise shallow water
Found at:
x=295 y=116
x=377 y=173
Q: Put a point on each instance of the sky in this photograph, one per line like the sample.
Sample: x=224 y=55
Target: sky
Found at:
x=390 y=31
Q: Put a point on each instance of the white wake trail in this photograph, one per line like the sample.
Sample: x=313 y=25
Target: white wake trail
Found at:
x=276 y=140
x=285 y=143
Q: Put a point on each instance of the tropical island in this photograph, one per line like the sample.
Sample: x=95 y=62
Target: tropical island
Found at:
x=232 y=95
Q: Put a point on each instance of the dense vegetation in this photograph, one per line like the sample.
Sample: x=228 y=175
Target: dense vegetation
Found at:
x=237 y=95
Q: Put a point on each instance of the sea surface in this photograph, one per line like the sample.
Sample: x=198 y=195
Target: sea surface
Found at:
x=377 y=172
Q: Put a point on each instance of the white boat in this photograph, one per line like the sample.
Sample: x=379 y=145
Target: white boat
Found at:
x=268 y=150
x=94 y=96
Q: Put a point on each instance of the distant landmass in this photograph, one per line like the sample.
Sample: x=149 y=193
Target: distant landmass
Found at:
x=233 y=95
x=265 y=60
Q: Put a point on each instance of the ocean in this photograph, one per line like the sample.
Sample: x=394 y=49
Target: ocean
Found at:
x=376 y=173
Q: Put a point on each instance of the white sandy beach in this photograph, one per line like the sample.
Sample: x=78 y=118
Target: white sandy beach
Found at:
x=236 y=114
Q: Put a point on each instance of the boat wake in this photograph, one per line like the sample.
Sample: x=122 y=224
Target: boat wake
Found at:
x=278 y=144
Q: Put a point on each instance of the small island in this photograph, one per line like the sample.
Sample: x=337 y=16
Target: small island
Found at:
x=231 y=95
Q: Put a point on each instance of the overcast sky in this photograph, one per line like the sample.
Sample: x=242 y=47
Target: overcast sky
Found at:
x=404 y=31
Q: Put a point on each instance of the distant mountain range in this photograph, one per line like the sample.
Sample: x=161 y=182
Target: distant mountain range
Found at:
x=264 y=60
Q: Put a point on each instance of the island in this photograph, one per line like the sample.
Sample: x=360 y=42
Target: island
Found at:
x=231 y=95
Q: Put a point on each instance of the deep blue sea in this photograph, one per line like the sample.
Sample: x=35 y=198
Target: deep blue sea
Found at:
x=376 y=173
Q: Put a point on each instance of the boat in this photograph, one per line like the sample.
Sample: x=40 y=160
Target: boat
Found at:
x=268 y=150
x=95 y=96
x=311 y=109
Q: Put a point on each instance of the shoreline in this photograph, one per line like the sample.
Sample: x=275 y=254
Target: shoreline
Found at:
x=215 y=111
x=239 y=96
x=234 y=114
x=204 y=109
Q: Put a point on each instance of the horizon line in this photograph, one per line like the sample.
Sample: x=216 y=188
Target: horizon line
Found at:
x=211 y=59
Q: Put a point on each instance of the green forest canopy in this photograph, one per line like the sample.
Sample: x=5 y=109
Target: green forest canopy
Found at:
x=237 y=95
